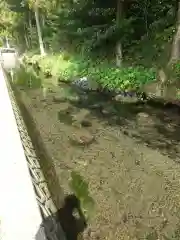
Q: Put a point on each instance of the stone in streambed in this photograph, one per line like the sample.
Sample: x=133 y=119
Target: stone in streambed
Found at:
x=81 y=137
x=81 y=115
x=125 y=99
x=86 y=123
x=108 y=110
x=59 y=99
x=81 y=119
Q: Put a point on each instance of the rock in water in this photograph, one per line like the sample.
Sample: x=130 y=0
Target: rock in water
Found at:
x=86 y=84
x=59 y=99
x=83 y=113
x=80 y=119
x=86 y=123
x=81 y=138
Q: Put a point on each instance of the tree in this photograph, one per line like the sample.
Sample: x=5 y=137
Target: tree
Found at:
x=119 y=54
x=41 y=44
x=35 y=5
x=175 y=51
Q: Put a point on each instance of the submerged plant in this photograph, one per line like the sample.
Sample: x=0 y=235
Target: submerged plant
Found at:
x=80 y=188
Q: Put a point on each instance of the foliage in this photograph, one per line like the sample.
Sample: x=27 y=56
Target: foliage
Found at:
x=89 y=31
x=176 y=69
x=66 y=68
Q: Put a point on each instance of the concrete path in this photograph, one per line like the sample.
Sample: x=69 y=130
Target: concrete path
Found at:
x=20 y=217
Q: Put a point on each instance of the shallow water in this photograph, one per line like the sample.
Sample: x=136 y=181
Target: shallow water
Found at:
x=128 y=154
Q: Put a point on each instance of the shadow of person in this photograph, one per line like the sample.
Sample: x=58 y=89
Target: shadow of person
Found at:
x=64 y=224
x=71 y=217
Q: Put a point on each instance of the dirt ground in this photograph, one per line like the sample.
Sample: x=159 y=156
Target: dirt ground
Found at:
x=128 y=153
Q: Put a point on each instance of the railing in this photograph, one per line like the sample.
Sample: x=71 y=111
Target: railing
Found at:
x=27 y=211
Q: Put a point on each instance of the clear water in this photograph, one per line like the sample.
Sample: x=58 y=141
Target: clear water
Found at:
x=128 y=174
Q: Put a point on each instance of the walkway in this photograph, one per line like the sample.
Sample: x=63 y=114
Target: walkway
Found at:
x=20 y=217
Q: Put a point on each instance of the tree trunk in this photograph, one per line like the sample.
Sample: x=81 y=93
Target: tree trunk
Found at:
x=26 y=36
x=30 y=28
x=175 y=51
x=43 y=20
x=41 y=45
x=26 y=40
x=7 y=42
x=119 y=55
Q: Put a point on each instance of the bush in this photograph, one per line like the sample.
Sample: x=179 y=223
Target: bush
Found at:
x=124 y=78
x=67 y=68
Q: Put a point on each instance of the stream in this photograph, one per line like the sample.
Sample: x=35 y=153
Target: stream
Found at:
x=125 y=149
